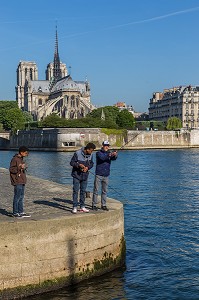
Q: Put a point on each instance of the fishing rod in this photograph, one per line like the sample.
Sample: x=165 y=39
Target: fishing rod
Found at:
x=119 y=193
x=129 y=141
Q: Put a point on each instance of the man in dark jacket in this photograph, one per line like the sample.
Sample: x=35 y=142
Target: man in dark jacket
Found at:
x=18 y=180
x=82 y=162
x=103 y=163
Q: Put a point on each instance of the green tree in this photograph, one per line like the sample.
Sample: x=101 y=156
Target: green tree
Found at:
x=110 y=112
x=28 y=117
x=52 y=120
x=5 y=106
x=125 y=119
x=173 y=123
x=14 y=119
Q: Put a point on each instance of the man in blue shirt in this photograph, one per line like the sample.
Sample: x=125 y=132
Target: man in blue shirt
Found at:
x=102 y=172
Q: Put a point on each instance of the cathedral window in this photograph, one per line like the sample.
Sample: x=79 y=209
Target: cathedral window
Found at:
x=40 y=102
x=31 y=74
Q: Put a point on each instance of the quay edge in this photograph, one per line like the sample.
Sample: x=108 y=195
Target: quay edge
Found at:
x=55 y=248
x=70 y=139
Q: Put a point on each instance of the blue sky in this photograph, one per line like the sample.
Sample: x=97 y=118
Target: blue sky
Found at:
x=127 y=49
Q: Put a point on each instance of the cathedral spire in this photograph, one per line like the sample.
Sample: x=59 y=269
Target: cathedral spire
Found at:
x=56 y=64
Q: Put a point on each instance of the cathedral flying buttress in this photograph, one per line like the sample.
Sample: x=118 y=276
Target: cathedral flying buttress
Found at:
x=59 y=93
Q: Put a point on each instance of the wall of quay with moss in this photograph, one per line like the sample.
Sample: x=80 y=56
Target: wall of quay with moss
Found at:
x=69 y=139
x=43 y=255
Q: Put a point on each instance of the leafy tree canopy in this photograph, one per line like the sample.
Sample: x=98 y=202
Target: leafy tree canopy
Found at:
x=14 y=119
x=5 y=106
x=28 y=117
x=173 y=123
x=125 y=119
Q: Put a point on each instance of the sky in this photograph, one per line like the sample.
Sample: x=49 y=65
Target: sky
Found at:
x=127 y=49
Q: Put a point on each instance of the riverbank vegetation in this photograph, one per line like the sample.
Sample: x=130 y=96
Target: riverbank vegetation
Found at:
x=12 y=118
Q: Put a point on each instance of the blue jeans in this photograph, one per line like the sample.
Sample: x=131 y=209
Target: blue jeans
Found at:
x=104 y=186
x=79 y=185
x=18 y=199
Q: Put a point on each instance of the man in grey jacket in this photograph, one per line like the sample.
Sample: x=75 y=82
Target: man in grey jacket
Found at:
x=82 y=162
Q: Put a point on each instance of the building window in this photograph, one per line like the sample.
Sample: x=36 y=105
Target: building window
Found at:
x=31 y=74
x=68 y=144
x=40 y=102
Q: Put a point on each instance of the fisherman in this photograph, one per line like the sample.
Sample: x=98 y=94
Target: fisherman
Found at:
x=82 y=162
x=102 y=172
x=18 y=179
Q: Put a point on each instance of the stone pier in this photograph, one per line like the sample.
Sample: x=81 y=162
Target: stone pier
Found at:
x=55 y=248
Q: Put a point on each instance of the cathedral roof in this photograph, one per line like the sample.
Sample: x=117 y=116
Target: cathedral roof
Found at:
x=66 y=83
x=41 y=86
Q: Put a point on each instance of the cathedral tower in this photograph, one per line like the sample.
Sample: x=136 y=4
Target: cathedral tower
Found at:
x=26 y=70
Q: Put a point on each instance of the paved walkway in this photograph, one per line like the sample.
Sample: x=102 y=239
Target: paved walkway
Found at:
x=43 y=199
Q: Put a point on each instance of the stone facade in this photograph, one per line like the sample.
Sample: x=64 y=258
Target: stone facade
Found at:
x=59 y=93
x=181 y=102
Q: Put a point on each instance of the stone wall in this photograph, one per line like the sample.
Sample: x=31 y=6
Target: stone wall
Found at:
x=4 y=140
x=160 y=139
x=41 y=255
x=69 y=139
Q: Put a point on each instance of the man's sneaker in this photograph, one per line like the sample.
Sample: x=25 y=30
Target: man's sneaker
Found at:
x=74 y=210
x=16 y=215
x=84 y=209
x=94 y=207
x=105 y=208
x=24 y=215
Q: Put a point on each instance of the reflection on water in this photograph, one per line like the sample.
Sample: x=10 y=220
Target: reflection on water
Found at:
x=160 y=192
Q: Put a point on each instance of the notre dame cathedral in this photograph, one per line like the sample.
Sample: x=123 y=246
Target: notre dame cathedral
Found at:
x=59 y=93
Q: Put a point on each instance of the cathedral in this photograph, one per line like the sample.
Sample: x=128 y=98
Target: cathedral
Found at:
x=59 y=93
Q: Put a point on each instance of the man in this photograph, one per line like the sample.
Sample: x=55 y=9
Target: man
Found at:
x=18 y=180
x=82 y=162
x=103 y=163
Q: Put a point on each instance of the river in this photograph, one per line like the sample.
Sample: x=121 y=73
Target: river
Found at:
x=160 y=192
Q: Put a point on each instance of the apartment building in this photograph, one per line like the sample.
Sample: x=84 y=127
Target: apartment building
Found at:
x=181 y=102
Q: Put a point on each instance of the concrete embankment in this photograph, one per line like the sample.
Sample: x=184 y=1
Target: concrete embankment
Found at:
x=69 y=139
x=55 y=248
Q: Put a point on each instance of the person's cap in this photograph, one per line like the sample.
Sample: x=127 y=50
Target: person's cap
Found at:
x=105 y=143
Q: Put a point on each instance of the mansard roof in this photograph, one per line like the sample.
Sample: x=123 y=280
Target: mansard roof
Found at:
x=41 y=86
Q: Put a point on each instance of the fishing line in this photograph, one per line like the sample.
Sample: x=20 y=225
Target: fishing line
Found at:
x=110 y=187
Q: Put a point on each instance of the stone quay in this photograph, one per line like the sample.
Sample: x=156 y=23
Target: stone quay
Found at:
x=70 y=139
x=55 y=248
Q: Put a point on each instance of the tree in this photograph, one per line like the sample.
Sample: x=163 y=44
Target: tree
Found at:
x=5 y=106
x=28 y=117
x=52 y=120
x=125 y=119
x=173 y=123
x=14 y=119
x=110 y=112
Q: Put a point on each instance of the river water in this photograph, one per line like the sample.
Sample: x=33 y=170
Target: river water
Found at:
x=160 y=192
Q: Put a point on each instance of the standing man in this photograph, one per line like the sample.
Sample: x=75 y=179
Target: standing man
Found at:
x=102 y=172
x=82 y=161
x=18 y=180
